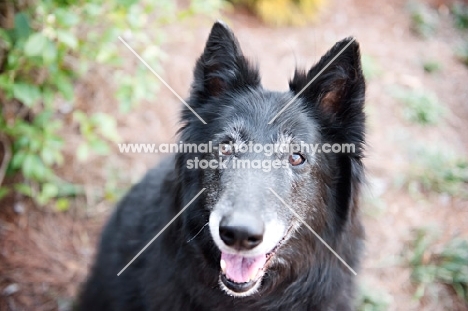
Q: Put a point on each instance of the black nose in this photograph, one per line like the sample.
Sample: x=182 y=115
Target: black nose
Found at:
x=242 y=232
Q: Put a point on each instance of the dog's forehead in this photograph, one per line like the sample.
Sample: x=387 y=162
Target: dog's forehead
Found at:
x=243 y=130
x=248 y=118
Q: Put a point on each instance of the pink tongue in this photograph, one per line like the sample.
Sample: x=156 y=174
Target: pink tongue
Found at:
x=239 y=269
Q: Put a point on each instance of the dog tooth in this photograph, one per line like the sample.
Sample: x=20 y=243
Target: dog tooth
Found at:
x=253 y=275
x=222 y=263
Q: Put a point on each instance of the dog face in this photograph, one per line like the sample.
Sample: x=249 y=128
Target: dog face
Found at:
x=257 y=201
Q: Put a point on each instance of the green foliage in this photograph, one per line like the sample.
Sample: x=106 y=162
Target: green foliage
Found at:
x=424 y=20
x=462 y=53
x=460 y=15
x=95 y=129
x=431 y=66
x=51 y=45
x=446 y=264
x=371 y=300
x=420 y=106
x=439 y=170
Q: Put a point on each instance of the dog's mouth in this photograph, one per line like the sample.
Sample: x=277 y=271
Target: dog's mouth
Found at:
x=239 y=270
x=242 y=276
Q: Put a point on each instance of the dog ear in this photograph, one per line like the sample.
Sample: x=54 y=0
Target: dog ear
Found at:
x=337 y=89
x=334 y=91
x=222 y=66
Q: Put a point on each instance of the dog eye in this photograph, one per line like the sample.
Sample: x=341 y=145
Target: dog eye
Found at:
x=296 y=159
x=226 y=149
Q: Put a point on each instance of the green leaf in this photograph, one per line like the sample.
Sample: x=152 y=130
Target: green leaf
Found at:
x=127 y=3
x=28 y=94
x=82 y=152
x=23 y=132
x=431 y=66
x=124 y=95
x=5 y=84
x=105 y=54
x=79 y=116
x=22 y=29
x=43 y=118
x=13 y=60
x=30 y=164
x=49 y=190
x=70 y=190
x=49 y=53
x=62 y=204
x=49 y=156
x=67 y=38
x=23 y=189
x=65 y=86
x=3 y=192
x=99 y=146
x=48 y=96
x=106 y=125
x=66 y=17
x=35 y=144
x=6 y=39
x=35 y=45
x=41 y=199
x=93 y=9
x=17 y=160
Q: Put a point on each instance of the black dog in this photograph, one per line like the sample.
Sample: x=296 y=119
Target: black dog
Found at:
x=246 y=243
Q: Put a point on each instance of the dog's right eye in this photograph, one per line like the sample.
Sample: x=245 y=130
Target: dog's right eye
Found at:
x=296 y=159
x=226 y=149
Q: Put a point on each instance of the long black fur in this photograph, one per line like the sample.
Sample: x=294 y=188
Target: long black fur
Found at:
x=180 y=270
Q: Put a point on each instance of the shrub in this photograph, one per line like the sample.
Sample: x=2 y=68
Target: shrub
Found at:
x=369 y=299
x=439 y=265
x=460 y=15
x=44 y=49
x=424 y=19
x=431 y=66
x=420 y=106
x=439 y=170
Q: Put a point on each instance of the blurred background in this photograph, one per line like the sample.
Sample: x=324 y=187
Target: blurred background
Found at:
x=70 y=91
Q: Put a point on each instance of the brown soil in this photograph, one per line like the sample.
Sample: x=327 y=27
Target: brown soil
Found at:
x=45 y=255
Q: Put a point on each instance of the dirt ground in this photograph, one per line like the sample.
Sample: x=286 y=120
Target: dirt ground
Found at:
x=45 y=255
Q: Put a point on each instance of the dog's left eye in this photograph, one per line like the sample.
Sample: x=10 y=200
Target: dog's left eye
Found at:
x=296 y=159
x=226 y=149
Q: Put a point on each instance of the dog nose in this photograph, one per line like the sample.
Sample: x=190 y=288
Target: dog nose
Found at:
x=242 y=232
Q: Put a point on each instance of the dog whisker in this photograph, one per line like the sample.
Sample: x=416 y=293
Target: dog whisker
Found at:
x=189 y=240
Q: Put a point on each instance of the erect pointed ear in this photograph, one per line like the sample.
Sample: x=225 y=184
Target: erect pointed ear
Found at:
x=222 y=66
x=335 y=97
x=338 y=88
